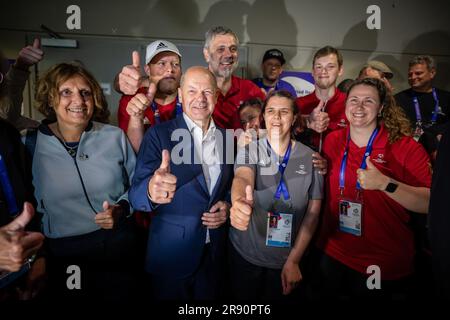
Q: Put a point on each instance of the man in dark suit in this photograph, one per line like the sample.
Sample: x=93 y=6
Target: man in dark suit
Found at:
x=186 y=244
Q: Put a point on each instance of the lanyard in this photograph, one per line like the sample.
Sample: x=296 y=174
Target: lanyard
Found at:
x=363 y=163
x=282 y=188
x=178 y=110
x=7 y=188
x=436 y=108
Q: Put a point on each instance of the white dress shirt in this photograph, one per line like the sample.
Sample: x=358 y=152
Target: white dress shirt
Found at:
x=206 y=151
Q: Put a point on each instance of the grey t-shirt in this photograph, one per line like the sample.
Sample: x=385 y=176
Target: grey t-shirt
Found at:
x=303 y=183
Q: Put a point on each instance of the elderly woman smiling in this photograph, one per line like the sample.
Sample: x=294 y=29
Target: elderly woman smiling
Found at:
x=81 y=173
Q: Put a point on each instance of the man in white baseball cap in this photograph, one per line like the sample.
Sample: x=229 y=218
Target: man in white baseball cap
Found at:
x=151 y=98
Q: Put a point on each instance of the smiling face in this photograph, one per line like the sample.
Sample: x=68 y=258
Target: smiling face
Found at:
x=75 y=102
x=326 y=70
x=420 y=78
x=222 y=55
x=165 y=70
x=362 y=107
x=279 y=118
x=198 y=94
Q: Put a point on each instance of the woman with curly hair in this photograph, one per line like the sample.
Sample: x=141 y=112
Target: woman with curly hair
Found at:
x=82 y=170
x=377 y=174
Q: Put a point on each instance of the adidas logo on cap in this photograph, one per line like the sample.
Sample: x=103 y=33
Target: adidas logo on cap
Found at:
x=161 y=45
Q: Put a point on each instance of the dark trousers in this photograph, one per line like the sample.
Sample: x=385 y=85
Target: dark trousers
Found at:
x=204 y=284
x=107 y=260
x=251 y=282
x=333 y=280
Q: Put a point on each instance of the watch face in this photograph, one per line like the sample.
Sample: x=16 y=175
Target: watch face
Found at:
x=391 y=187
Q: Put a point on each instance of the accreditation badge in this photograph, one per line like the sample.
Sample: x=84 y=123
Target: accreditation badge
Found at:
x=279 y=229
x=350 y=217
x=418 y=131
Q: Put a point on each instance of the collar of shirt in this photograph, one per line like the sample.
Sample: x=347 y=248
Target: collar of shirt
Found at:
x=196 y=130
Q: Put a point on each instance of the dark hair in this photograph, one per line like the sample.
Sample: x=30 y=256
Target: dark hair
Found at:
x=344 y=85
x=47 y=95
x=281 y=94
x=252 y=102
x=393 y=117
x=327 y=50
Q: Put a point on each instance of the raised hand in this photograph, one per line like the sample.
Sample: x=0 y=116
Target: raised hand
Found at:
x=163 y=184
x=318 y=119
x=241 y=210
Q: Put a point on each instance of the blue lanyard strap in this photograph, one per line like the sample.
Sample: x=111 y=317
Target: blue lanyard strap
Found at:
x=436 y=108
x=282 y=187
x=7 y=189
x=363 y=165
x=178 y=110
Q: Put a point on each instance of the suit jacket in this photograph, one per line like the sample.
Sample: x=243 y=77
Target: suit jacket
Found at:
x=177 y=235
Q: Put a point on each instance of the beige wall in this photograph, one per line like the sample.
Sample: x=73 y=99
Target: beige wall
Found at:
x=296 y=27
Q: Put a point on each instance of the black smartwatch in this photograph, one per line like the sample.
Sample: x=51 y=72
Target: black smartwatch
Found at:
x=391 y=187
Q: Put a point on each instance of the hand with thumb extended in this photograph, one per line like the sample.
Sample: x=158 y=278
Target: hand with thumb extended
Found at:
x=319 y=119
x=109 y=217
x=30 y=55
x=130 y=77
x=241 y=210
x=371 y=178
x=16 y=244
x=163 y=184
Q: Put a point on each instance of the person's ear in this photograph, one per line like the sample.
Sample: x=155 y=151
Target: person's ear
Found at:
x=206 y=55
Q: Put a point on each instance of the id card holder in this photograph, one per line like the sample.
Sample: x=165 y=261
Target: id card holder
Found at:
x=350 y=216
x=418 y=132
x=279 y=229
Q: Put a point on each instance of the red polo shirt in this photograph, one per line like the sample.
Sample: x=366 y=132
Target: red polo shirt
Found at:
x=335 y=108
x=166 y=112
x=387 y=240
x=226 y=114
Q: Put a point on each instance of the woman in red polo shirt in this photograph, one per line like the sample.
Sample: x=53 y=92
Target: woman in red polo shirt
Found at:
x=377 y=173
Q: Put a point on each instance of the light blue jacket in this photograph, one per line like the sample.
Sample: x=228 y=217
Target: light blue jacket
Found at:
x=105 y=162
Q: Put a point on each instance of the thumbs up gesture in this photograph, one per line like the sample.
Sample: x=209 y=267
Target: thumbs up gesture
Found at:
x=319 y=119
x=29 y=55
x=130 y=78
x=371 y=178
x=17 y=245
x=109 y=217
x=163 y=184
x=241 y=210
x=137 y=105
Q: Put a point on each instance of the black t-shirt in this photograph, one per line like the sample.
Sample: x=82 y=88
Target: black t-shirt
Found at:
x=427 y=105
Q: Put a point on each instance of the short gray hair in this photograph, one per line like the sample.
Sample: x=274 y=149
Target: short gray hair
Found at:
x=218 y=30
x=424 y=59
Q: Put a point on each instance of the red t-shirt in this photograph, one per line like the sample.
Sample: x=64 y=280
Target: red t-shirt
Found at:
x=166 y=112
x=226 y=114
x=335 y=108
x=387 y=240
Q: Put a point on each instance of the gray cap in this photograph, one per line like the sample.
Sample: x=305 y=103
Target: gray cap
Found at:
x=382 y=67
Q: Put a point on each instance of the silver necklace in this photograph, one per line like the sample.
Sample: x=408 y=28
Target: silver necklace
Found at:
x=71 y=150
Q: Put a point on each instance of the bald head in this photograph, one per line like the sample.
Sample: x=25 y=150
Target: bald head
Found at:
x=198 y=94
x=198 y=71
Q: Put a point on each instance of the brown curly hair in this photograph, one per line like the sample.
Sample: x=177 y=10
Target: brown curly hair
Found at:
x=47 y=94
x=392 y=116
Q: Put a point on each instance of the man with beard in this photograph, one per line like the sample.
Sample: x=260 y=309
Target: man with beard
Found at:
x=149 y=101
x=324 y=108
x=222 y=55
x=426 y=107
x=272 y=67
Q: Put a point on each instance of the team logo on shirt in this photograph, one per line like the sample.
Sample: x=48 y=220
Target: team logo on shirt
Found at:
x=342 y=123
x=301 y=169
x=379 y=158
